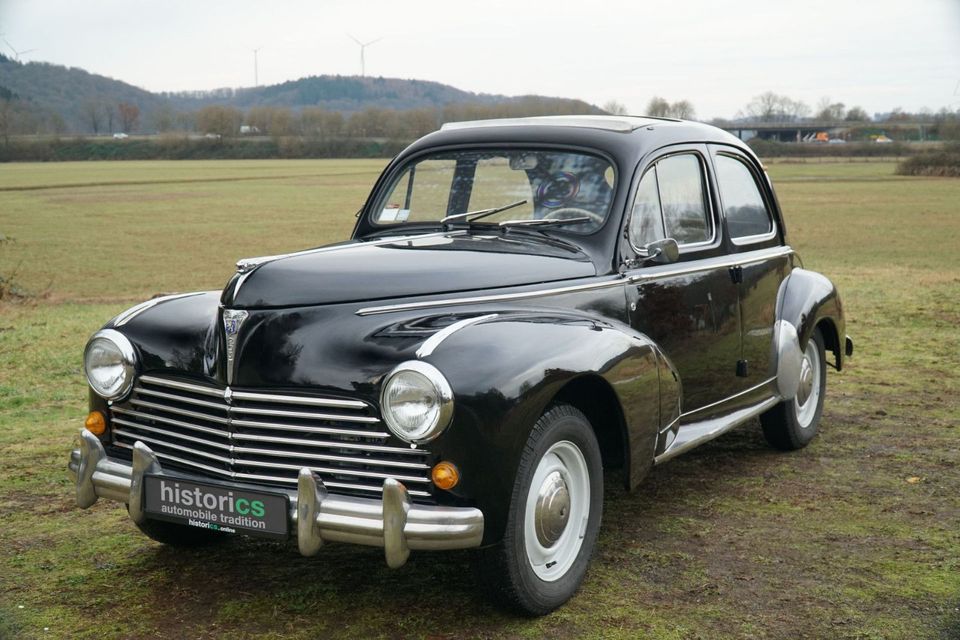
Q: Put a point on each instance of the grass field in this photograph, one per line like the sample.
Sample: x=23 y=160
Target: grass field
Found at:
x=854 y=537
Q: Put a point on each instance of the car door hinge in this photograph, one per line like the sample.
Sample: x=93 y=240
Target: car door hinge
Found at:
x=741 y=368
x=736 y=274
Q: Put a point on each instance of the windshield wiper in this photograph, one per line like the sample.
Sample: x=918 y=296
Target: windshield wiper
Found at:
x=550 y=222
x=481 y=213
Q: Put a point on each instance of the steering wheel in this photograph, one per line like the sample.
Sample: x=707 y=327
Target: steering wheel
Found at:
x=564 y=213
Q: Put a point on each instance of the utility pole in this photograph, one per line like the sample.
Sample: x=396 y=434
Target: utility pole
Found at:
x=256 y=79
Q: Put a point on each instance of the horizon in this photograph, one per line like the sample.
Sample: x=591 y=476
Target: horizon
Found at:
x=717 y=59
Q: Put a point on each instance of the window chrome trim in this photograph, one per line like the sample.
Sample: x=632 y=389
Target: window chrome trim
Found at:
x=715 y=217
x=759 y=237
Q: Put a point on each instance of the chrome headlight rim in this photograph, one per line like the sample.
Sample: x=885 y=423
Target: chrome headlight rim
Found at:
x=128 y=356
x=444 y=395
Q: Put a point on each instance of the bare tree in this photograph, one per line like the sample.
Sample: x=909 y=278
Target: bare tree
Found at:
x=129 y=114
x=857 y=114
x=771 y=107
x=93 y=114
x=218 y=120
x=111 y=115
x=615 y=108
x=683 y=109
x=830 y=111
x=658 y=107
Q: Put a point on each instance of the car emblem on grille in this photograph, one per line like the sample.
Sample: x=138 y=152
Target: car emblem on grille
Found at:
x=232 y=319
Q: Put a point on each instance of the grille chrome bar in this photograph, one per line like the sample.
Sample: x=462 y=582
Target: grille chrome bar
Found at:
x=266 y=438
x=302 y=429
x=236 y=475
x=302 y=414
x=302 y=401
x=182 y=386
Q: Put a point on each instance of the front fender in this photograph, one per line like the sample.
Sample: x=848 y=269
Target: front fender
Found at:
x=506 y=370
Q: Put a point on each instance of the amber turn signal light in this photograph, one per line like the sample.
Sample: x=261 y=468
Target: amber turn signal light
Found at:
x=96 y=423
x=445 y=475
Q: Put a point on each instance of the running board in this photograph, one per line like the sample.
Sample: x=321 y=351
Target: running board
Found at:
x=697 y=433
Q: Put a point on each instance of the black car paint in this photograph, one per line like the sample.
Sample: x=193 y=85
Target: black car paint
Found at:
x=639 y=346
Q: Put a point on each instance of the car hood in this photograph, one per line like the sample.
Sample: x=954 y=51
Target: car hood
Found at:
x=401 y=267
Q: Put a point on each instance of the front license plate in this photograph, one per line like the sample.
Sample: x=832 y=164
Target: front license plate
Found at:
x=217 y=507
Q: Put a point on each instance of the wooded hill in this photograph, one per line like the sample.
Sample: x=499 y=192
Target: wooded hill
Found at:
x=38 y=97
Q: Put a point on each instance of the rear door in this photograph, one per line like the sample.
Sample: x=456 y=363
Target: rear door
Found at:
x=762 y=260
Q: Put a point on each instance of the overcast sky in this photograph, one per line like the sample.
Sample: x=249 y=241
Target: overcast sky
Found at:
x=878 y=54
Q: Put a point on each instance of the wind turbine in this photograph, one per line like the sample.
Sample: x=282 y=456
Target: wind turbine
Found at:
x=363 y=47
x=17 y=54
x=256 y=80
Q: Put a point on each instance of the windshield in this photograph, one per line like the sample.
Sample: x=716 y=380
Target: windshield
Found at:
x=555 y=185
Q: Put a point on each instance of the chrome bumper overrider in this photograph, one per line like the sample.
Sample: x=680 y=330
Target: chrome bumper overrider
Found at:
x=394 y=523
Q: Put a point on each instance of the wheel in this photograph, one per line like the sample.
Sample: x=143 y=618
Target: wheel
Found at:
x=792 y=424
x=554 y=516
x=573 y=212
x=179 y=535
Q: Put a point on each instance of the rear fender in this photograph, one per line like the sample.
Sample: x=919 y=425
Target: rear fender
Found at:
x=805 y=299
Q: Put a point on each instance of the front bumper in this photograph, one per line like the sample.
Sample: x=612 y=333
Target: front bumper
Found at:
x=394 y=523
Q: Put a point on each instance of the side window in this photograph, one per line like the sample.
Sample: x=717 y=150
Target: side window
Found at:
x=685 y=217
x=743 y=205
x=646 y=224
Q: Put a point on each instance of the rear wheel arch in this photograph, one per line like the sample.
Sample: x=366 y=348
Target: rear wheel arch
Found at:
x=831 y=340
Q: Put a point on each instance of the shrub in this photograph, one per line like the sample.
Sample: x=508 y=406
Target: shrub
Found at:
x=944 y=163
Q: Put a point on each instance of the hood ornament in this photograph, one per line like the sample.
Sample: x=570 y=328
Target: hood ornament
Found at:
x=232 y=319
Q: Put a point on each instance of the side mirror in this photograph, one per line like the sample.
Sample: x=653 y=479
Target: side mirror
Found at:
x=663 y=251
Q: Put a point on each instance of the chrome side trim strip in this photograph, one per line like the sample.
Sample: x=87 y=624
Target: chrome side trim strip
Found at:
x=451 y=302
x=136 y=310
x=733 y=261
x=526 y=295
x=430 y=344
x=755 y=387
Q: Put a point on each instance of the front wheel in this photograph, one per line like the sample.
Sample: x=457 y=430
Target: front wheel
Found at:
x=792 y=424
x=554 y=516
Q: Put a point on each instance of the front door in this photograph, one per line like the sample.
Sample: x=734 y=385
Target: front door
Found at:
x=689 y=308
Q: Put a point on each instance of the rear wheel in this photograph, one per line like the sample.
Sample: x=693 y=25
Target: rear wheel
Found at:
x=792 y=424
x=554 y=516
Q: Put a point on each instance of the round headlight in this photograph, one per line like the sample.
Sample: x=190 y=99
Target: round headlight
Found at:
x=416 y=401
x=110 y=364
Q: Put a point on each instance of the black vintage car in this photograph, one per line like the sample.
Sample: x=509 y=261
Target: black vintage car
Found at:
x=524 y=304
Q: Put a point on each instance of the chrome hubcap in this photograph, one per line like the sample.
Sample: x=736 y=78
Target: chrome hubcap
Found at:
x=808 y=395
x=556 y=511
x=552 y=510
x=806 y=382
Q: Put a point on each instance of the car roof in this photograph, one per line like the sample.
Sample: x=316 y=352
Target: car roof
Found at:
x=625 y=138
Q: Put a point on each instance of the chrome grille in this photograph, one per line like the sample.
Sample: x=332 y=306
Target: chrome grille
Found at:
x=266 y=438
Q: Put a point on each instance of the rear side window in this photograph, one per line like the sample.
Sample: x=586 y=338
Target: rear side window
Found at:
x=682 y=199
x=743 y=205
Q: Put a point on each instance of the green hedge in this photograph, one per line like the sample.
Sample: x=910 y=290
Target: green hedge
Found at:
x=772 y=149
x=195 y=149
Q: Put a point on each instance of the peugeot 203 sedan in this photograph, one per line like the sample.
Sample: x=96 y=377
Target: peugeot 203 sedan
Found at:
x=524 y=305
